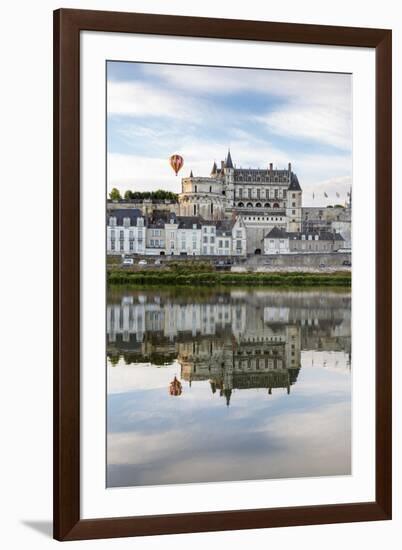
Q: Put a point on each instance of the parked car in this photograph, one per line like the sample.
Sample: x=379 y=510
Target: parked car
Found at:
x=347 y=262
x=142 y=262
x=128 y=262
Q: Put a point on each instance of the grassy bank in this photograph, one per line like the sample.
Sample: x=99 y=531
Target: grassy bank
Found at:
x=341 y=278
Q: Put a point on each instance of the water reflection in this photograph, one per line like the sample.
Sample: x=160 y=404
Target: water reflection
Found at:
x=175 y=352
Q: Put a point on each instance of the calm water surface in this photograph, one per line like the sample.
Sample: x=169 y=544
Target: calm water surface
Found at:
x=216 y=385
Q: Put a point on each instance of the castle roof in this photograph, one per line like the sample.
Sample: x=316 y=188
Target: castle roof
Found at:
x=229 y=163
x=294 y=183
x=214 y=169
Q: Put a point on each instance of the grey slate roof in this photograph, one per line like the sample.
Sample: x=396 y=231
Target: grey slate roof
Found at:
x=187 y=222
x=229 y=163
x=278 y=233
x=224 y=227
x=121 y=213
x=294 y=183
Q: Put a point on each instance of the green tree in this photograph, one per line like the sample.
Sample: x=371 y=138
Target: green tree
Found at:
x=128 y=195
x=115 y=194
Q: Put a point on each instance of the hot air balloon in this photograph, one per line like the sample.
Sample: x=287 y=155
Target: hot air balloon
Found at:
x=175 y=387
x=176 y=162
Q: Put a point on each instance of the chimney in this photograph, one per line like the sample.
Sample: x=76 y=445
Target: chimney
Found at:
x=222 y=165
x=270 y=166
x=289 y=167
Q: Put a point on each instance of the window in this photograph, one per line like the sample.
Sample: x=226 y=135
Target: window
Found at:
x=238 y=233
x=220 y=244
x=121 y=234
x=112 y=245
x=112 y=221
x=293 y=204
x=226 y=244
x=212 y=240
x=131 y=245
x=126 y=222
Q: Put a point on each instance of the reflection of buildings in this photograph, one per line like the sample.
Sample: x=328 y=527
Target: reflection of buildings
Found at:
x=236 y=340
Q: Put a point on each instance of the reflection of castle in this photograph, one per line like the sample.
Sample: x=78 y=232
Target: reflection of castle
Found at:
x=234 y=340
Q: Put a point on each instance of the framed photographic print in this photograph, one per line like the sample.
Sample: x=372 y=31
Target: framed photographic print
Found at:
x=222 y=239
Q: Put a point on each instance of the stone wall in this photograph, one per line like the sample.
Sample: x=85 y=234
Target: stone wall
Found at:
x=331 y=259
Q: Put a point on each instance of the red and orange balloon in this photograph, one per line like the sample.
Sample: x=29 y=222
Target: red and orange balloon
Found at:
x=176 y=162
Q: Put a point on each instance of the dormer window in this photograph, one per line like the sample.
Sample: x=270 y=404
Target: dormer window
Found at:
x=126 y=222
x=112 y=221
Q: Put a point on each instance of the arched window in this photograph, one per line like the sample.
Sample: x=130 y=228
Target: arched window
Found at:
x=195 y=188
x=241 y=205
x=267 y=205
x=276 y=205
x=258 y=205
x=249 y=205
x=210 y=188
x=194 y=210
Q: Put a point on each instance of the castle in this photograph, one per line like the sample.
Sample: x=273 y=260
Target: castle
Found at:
x=263 y=198
x=233 y=211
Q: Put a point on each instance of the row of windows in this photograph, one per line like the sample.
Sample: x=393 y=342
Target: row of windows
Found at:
x=121 y=234
x=263 y=218
x=258 y=205
x=262 y=193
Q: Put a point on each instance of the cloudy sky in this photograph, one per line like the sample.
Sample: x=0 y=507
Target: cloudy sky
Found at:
x=264 y=116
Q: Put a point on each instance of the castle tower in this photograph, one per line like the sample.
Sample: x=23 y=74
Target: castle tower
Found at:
x=293 y=204
x=229 y=177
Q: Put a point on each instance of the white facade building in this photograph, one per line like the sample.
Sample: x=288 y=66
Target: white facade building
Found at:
x=126 y=232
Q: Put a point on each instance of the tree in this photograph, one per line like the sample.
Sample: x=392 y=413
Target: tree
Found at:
x=128 y=195
x=115 y=194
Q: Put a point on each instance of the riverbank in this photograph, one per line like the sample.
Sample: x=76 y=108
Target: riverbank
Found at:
x=207 y=278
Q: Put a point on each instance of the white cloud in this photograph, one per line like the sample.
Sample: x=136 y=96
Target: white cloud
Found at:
x=314 y=122
x=142 y=99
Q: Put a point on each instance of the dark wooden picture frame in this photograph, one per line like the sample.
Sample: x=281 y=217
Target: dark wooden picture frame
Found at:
x=67 y=27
